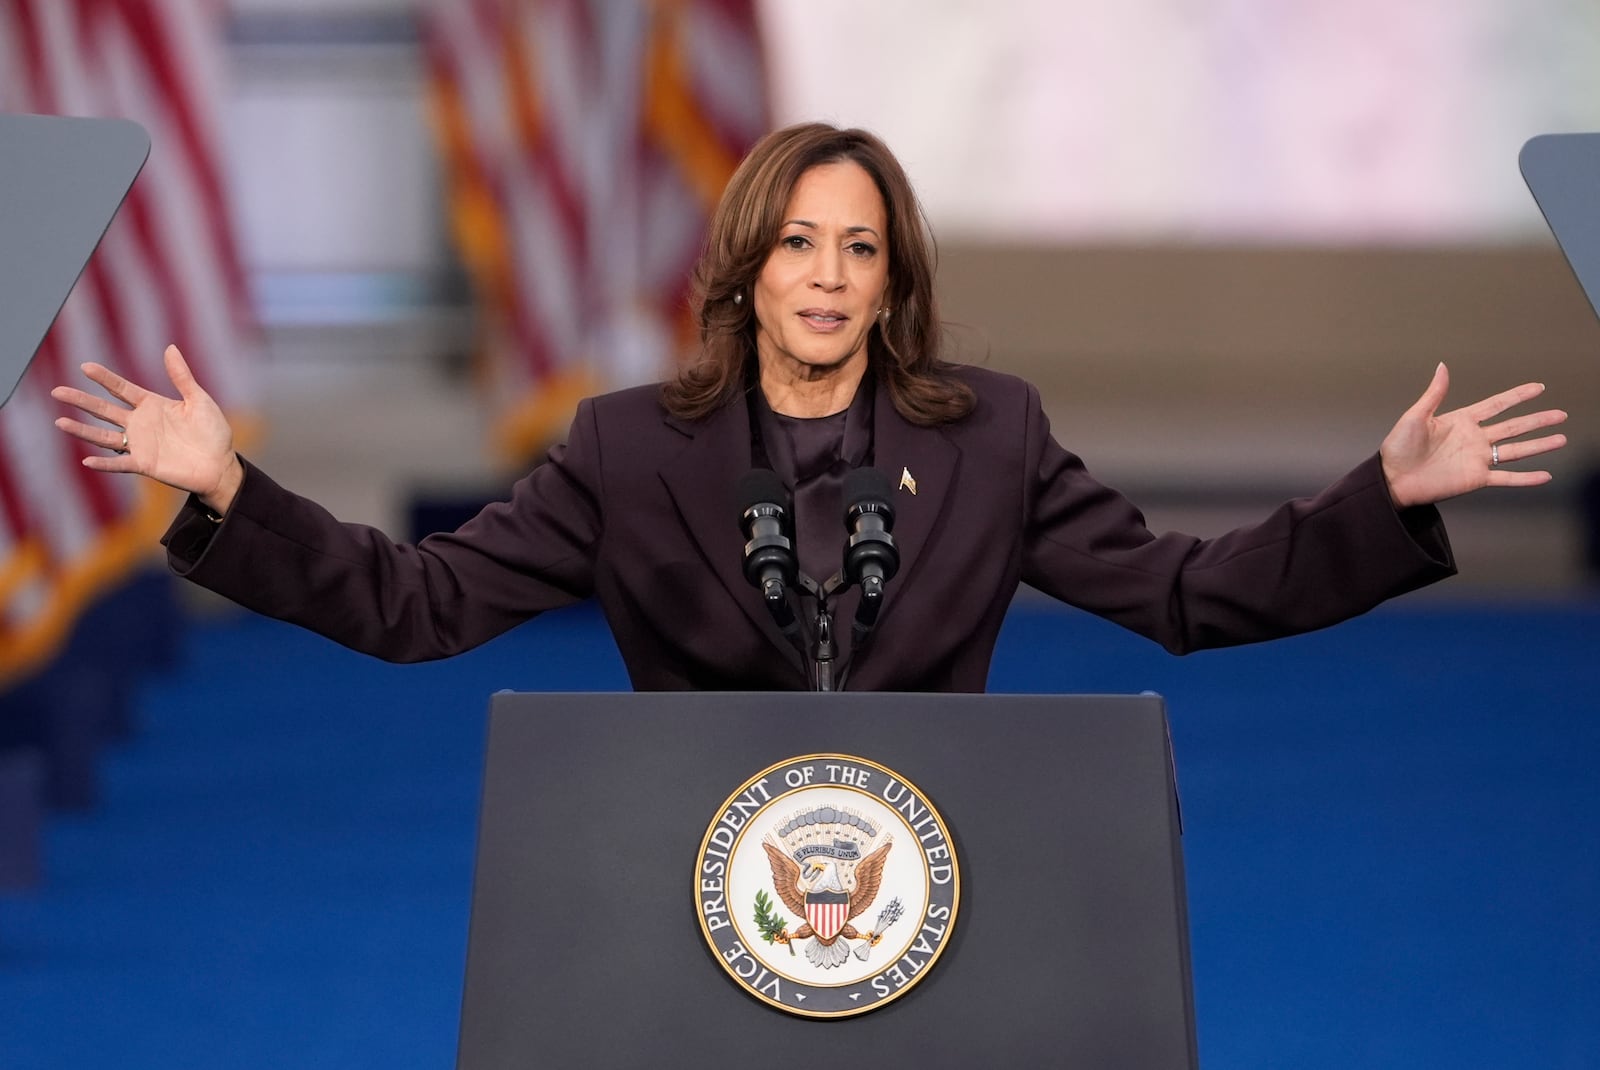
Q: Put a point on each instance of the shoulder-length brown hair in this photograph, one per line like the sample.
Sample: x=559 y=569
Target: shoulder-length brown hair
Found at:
x=902 y=349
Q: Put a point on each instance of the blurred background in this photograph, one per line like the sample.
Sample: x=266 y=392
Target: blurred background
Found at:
x=1228 y=240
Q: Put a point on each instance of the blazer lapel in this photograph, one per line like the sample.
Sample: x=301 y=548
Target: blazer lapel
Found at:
x=702 y=481
x=917 y=457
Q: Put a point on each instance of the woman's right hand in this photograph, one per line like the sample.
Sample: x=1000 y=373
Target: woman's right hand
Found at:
x=185 y=442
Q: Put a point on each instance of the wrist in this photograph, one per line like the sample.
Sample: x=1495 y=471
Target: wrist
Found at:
x=1398 y=496
x=1401 y=494
x=219 y=499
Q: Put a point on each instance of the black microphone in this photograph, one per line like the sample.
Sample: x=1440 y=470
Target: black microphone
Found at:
x=870 y=558
x=769 y=560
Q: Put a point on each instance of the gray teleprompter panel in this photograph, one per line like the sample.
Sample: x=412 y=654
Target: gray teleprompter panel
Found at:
x=1563 y=173
x=1070 y=948
x=61 y=182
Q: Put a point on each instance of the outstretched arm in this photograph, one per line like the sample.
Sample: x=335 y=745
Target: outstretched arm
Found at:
x=1428 y=457
x=184 y=442
x=287 y=557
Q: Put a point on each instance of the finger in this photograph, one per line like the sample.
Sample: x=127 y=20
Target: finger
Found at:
x=1500 y=477
x=114 y=462
x=1490 y=407
x=1516 y=451
x=95 y=406
x=116 y=385
x=1433 y=397
x=1521 y=425
x=94 y=436
x=178 y=371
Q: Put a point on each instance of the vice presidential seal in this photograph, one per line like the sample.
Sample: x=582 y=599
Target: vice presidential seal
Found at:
x=827 y=885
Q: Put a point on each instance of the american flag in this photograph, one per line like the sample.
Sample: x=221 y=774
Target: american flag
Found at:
x=168 y=270
x=585 y=142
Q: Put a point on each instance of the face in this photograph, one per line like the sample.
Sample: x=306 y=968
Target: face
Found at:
x=824 y=282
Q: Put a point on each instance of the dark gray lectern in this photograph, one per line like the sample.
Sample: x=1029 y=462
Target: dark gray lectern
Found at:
x=61 y=182
x=1071 y=943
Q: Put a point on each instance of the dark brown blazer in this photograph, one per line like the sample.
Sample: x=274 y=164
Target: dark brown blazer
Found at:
x=638 y=509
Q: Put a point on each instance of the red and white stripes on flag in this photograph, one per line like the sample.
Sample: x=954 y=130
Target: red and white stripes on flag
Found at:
x=585 y=142
x=827 y=912
x=168 y=270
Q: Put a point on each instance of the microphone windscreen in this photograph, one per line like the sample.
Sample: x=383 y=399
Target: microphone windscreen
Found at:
x=866 y=484
x=761 y=485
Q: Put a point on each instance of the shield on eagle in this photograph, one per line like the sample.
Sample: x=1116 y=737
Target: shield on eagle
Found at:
x=827 y=912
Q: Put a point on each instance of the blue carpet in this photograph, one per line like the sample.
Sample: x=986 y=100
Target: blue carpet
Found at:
x=1389 y=842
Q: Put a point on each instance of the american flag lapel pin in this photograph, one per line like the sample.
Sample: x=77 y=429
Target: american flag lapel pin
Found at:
x=906 y=482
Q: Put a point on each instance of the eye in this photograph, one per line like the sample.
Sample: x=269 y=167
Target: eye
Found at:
x=862 y=249
x=794 y=241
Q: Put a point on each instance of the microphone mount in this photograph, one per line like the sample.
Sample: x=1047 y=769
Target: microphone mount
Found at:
x=871 y=559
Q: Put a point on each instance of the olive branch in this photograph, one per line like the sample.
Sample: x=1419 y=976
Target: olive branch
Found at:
x=770 y=923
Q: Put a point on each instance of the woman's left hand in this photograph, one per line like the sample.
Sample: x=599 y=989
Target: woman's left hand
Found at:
x=1428 y=458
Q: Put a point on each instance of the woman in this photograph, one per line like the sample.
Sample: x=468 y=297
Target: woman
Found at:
x=820 y=354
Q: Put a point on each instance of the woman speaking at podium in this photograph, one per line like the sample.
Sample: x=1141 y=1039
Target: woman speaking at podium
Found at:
x=820 y=355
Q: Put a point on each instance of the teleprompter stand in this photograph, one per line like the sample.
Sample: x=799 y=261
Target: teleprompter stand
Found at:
x=1071 y=943
x=1563 y=173
x=61 y=182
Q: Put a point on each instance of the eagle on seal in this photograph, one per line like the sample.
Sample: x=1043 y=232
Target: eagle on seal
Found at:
x=824 y=878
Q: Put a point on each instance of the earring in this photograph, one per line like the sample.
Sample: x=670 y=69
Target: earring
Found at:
x=884 y=313
x=738 y=298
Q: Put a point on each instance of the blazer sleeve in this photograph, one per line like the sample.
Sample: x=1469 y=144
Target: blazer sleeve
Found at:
x=285 y=556
x=1312 y=563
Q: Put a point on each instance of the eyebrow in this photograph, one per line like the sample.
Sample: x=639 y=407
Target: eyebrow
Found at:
x=847 y=230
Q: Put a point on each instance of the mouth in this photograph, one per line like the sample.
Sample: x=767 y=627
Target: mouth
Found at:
x=823 y=319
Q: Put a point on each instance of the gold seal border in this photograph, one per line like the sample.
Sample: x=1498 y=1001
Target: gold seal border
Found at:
x=716 y=819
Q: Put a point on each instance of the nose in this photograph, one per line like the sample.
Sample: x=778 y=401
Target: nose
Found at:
x=829 y=270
